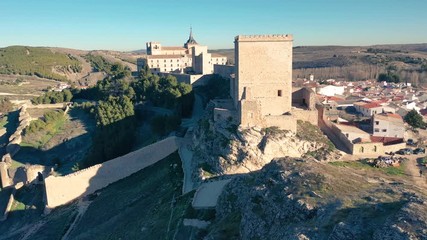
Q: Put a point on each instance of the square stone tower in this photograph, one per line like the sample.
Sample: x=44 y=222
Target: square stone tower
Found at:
x=262 y=89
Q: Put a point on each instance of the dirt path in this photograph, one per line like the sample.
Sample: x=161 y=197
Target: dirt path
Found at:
x=34 y=228
x=413 y=169
x=81 y=208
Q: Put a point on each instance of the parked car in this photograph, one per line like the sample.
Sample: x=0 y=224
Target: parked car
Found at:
x=405 y=151
x=419 y=151
x=410 y=142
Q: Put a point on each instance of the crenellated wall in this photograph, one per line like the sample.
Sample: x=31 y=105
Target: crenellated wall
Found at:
x=63 y=189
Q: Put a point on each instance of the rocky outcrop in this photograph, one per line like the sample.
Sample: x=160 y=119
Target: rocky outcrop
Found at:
x=293 y=198
x=223 y=148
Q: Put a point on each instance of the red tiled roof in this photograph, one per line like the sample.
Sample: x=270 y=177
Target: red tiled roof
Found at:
x=333 y=98
x=371 y=105
x=394 y=115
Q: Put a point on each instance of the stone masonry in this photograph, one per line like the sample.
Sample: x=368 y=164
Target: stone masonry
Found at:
x=262 y=89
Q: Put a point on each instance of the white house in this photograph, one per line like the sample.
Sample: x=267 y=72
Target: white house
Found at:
x=369 y=109
x=331 y=90
x=388 y=125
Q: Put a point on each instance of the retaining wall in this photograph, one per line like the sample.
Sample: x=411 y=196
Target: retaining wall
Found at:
x=63 y=189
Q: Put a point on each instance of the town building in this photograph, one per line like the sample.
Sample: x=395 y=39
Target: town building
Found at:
x=368 y=109
x=388 y=125
x=331 y=90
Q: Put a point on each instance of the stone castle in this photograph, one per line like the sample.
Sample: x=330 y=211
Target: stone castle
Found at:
x=261 y=90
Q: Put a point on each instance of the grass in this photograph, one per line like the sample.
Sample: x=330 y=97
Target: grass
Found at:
x=309 y=132
x=139 y=205
x=38 y=139
x=134 y=207
x=3 y=121
x=363 y=165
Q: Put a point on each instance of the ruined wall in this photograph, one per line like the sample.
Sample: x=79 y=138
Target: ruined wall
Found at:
x=6 y=209
x=63 y=189
x=4 y=175
x=304 y=97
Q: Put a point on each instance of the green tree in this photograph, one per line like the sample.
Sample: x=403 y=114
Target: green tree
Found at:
x=414 y=119
x=389 y=77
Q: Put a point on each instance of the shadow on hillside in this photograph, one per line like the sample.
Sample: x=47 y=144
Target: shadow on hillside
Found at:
x=11 y=126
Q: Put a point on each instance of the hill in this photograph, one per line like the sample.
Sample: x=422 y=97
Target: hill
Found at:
x=356 y=62
x=60 y=64
x=37 y=61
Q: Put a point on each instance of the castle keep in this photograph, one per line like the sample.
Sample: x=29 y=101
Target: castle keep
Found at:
x=262 y=89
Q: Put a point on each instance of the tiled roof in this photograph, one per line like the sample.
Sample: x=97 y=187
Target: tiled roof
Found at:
x=371 y=105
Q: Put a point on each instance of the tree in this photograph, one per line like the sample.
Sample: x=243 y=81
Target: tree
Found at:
x=414 y=119
x=389 y=77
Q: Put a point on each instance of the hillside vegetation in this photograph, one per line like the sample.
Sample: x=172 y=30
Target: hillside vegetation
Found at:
x=37 y=61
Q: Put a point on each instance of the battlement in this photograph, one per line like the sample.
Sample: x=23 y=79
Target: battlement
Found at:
x=261 y=38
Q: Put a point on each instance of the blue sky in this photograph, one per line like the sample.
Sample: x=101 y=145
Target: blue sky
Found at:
x=128 y=24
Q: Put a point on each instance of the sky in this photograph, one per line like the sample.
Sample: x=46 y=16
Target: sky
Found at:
x=127 y=25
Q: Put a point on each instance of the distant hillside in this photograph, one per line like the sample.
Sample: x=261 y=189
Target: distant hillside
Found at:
x=37 y=61
x=356 y=62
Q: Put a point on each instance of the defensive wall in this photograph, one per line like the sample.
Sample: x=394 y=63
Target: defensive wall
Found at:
x=63 y=189
x=13 y=146
x=225 y=71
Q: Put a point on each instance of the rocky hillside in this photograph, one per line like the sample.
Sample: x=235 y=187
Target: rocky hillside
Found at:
x=294 y=198
x=221 y=148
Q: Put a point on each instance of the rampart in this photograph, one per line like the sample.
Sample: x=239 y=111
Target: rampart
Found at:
x=63 y=189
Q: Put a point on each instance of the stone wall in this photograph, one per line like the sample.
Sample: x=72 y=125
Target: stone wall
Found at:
x=225 y=71
x=4 y=175
x=63 y=189
x=13 y=146
x=193 y=79
x=284 y=122
x=51 y=106
x=305 y=115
